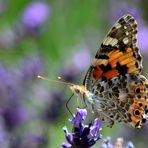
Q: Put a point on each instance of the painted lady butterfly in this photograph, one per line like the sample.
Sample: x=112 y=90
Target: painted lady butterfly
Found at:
x=113 y=86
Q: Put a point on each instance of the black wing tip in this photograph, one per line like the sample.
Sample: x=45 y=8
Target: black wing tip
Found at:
x=127 y=15
x=128 y=19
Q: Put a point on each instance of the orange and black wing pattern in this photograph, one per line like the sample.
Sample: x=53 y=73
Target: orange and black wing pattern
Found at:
x=118 y=53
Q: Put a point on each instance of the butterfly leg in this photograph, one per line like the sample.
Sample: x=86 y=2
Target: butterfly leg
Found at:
x=68 y=106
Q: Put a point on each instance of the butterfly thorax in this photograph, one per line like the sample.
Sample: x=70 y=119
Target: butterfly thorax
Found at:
x=81 y=92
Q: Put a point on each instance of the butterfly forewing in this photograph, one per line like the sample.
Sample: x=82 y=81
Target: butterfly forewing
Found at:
x=118 y=53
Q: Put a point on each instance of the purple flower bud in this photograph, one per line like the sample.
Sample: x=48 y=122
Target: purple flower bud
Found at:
x=81 y=115
x=69 y=136
x=130 y=145
x=97 y=126
x=107 y=144
x=66 y=145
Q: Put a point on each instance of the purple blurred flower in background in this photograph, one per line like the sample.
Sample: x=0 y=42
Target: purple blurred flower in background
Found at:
x=142 y=38
x=119 y=143
x=106 y=143
x=77 y=63
x=14 y=107
x=9 y=38
x=32 y=67
x=3 y=6
x=34 y=15
x=33 y=140
x=82 y=136
x=12 y=117
x=120 y=8
x=81 y=59
x=4 y=136
x=8 y=86
x=10 y=100
x=54 y=106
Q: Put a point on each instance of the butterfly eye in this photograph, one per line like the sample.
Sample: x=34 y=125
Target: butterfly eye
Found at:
x=77 y=91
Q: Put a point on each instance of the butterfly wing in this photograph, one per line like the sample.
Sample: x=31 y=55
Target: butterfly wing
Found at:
x=114 y=79
x=118 y=53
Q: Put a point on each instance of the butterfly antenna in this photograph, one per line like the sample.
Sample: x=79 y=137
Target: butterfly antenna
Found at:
x=68 y=106
x=60 y=80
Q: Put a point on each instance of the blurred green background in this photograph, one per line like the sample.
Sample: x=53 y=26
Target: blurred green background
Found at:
x=55 y=38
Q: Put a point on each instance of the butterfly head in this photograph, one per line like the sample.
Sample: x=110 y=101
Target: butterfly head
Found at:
x=78 y=90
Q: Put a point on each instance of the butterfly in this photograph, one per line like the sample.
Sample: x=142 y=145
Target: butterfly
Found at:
x=113 y=87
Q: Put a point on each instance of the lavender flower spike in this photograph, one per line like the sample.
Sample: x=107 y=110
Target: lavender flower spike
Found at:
x=82 y=136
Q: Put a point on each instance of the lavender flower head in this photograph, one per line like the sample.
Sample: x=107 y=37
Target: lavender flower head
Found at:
x=35 y=15
x=82 y=136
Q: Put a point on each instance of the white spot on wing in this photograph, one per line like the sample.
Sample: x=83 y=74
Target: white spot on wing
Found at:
x=117 y=25
x=134 y=41
x=114 y=42
x=125 y=27
x=110 y=41
x=127 y=33
x=125 y=40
